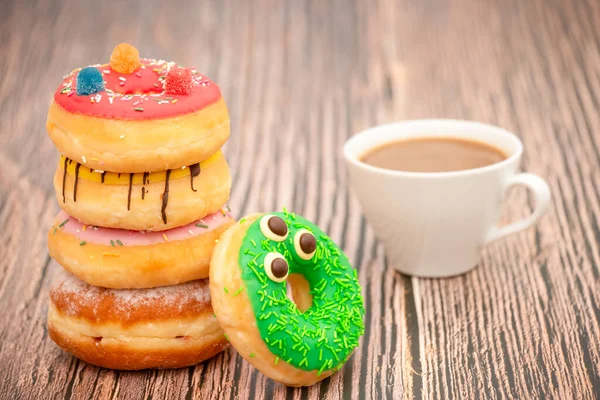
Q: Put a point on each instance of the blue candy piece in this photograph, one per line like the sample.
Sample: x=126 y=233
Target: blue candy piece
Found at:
x=89 y=81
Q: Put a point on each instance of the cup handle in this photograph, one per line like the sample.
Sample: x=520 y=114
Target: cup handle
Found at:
x=541 y=191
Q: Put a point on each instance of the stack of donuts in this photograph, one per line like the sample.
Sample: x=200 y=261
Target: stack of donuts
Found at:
x=143 y=185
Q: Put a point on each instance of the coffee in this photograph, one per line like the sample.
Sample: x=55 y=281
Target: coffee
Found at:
x=433 y=154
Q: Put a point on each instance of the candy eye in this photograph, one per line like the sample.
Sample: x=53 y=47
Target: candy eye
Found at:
x=305 y=244
x=276 y=267
x=274 y=228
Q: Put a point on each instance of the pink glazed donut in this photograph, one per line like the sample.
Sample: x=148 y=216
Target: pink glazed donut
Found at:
x=124 y=259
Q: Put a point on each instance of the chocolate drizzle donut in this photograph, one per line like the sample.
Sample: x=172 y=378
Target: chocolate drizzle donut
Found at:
x=178 y=191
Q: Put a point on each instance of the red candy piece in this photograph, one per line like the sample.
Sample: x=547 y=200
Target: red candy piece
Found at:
x=178 y=81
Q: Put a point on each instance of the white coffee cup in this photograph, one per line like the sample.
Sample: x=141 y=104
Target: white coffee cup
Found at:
x=434 y=224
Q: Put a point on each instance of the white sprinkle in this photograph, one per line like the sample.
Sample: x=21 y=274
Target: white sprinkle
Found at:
x=99 y=171
x=191 y=232
x=106 y=71
x=83 y=159
x=77 y=230
x=183 y=167
x=122 y=136
x=122 y=79
x=110 y=100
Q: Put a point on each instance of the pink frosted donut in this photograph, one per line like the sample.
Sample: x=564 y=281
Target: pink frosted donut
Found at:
x=118 y=258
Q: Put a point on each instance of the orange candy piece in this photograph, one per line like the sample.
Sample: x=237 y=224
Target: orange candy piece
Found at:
x=125 y=58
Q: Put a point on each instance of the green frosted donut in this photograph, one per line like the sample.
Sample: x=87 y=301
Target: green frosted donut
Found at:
x=324 y=336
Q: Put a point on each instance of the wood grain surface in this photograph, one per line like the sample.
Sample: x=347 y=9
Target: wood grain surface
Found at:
x=300 y=77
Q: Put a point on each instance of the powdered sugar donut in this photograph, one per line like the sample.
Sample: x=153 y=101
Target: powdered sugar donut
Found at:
x=122 y=259
x=166 y=327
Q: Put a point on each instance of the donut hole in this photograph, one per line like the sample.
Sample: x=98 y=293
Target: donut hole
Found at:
x=298 y=290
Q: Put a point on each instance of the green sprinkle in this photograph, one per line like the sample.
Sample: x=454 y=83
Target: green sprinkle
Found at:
x=334 y=354
x=261 y=278
x=138 y=108
x=63 y=223
x=82 y=243
x=253 y=242
x=238 y=291
x=251 y=354
x=201 y=225
x=54 y=230
x=119 y=242
x=112 y=243
x=225 y=289
x=226 y=337
x=276 y=360
x=323 y=367
x=242 y=220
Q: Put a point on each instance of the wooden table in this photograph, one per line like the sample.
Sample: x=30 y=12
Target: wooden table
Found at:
x=299 y=79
